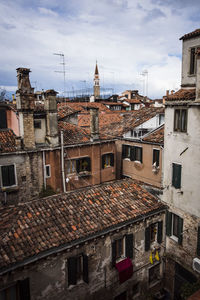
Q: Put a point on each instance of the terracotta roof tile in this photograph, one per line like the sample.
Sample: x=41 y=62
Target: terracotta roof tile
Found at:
x=83 y=106
x=73 y=134
x=65 y=110
x=104 y=119
x=7 y=140
x=157 y=136
x=191 y=34
x=56 y=221
x=182 y=94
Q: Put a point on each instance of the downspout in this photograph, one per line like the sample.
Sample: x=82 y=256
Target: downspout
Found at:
x=62 y=161
x=44 y=170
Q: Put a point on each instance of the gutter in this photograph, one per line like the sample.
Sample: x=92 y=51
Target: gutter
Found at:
x=66 y=246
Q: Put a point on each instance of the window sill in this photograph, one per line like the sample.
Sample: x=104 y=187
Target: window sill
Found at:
x=84 y=174
x=174 y=238
x=120 y=259
x=10 y=189
x=126 y=158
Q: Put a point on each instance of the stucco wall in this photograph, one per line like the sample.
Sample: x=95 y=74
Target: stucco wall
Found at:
x=187 y=197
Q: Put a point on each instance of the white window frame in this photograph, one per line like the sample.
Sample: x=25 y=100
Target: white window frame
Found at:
x=47 y=166
x=159 y=158
x=15 y=173
x=174 y=237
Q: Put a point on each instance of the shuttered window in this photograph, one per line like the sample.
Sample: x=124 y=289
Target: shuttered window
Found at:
x=8 y=175
x=18 y=291
x=122 y=247
x=192 y=61
x=174 y=227
x=176 y=175
x=156 y=157
x=3 y=119
x=180 y=120
x=153 y=233
x=77 y=269
x=83 y=164
x=126 y=151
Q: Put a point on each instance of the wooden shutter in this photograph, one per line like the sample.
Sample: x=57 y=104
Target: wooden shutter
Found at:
x=129 y=245
x=112 y=159
x=72 y=268
x=3 y=119
x=180 y=231
x=132 y=154
x=77 y=165
x=123 y=151
x=147 y=238
x=103 y=161
x=85 y=268
x=113 y=253
x=198 y=241
x=160 y=230
x=8 y=175
x=24 y=289
x=168 y=223
x=176 y=176
x=88 y=160
x=141 y=154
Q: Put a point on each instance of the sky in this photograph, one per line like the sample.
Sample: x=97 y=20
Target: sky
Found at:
x=127 y=38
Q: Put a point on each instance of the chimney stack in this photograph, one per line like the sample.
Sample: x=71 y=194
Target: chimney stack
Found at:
x=198 y=76
x=94 y=123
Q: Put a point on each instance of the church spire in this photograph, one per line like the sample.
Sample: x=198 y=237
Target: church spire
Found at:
x=96 y=83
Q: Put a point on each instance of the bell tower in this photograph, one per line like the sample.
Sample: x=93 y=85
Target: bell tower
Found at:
x=96 y=83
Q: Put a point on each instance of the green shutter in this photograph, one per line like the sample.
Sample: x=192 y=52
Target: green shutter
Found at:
x=72 y=269
x=180 y=231
x=168 y=223
x=85 y=268
x=129 y=245
x=77 y=166
x=113 y=253
x=3 y=119
x=8 y=175
x=176 y=175
x=160 y=230
x=88 y=160
x=198 y=241
x=103 y=161
x=112 y=159
x=123 y=151
x=141 y=154
x=147 y=238
x=24 y=289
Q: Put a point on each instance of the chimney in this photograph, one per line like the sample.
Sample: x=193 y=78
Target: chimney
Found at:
x=198 y=76
x=94 y=123
x=25 y=105
x=167 y=93
x=50 y=106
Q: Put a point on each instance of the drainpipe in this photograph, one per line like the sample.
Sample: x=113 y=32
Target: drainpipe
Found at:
x=44 y=170
x=62 y=162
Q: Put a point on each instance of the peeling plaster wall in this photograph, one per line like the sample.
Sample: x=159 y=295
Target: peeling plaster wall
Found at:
x=49 y=277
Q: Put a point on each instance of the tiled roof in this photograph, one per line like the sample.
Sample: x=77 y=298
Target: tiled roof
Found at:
x=130 y=120
x=104 y=119
x=191 y=34
x=83 y=106
x=65 y=110
x=182 y=94
x=157 y=136
x=33 y=228
x=133 y=101
x=7 y=140
x=73 y=134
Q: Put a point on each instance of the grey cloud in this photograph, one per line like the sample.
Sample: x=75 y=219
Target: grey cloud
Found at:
x=154 y=14
x=7 y=26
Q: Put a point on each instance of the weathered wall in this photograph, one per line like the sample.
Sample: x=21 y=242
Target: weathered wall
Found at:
x=187 y=197
x=12 y=121
x=40 y=133
x=187 y=44
x=52 y=158
x=141 y=171
x=29 y=174
x=49 y=277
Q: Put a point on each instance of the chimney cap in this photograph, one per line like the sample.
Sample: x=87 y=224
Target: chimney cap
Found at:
x=50 y=92
x=23 y=70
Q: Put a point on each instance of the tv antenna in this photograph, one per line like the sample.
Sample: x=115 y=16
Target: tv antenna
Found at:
x=62 y=56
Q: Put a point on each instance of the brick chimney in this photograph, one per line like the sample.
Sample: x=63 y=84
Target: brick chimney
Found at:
x=25 y=105
x=50 y=106
x=198 y=76
x=94 y=123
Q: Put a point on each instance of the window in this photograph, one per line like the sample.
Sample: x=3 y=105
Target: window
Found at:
x=47 y=171
x=154 y=274
x=3 y=118
x=71 y=166
x=176 y=175
x=78 y=165
x=198 y=241
x=77 y=269
x=18 y=291
x=132 y=152
x=161 y=119
x=126 y=151
x=156 y=157
x=122 y=247
x=153 y=233
x=8 y=176
x=180 y=120
x=192 y=61
x=107 y=160
x=37 y=124
x=174 y=227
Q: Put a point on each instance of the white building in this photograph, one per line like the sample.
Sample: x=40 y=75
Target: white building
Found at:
x=182 y=171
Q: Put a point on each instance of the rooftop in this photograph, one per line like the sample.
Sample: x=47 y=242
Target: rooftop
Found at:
x=182 y=94
x=157 y=136
x=73 y=134
x=191 y=34
x=32 y=229
x=7 y=140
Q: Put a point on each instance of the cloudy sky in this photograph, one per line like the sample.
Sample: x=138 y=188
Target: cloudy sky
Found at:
x=126 y=37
